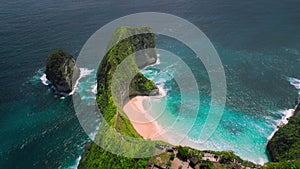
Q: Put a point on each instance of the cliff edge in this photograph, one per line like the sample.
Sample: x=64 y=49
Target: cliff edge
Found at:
x=136 y=50
x=284 y=146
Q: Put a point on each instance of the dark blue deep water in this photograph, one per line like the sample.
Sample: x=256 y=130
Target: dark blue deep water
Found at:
x=258 y=43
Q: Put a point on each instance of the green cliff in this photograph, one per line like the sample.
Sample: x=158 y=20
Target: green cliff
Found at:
x=119 y=50
x=284 y=147
x=112 y=79
x=125 y=49
x=60 y=67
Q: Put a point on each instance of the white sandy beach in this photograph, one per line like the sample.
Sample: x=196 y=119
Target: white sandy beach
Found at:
x=143 y=123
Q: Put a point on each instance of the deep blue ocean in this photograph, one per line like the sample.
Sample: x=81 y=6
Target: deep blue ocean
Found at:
x=258 y=43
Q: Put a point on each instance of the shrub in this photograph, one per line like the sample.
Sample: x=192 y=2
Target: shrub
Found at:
x=169 y=163
x=183 y=153
x=172 y=156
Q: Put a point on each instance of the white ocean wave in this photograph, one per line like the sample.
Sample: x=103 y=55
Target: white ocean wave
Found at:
x=93 y=134
x=157 y=60
x=83 y=73
x=286 y=114
x=162 y=91
x=44 y=80
x=75 y=166
x=295 y=82
x=262 y=161
x=94 y=88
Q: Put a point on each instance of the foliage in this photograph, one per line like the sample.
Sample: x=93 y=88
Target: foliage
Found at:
x=183 y=153
x=285 y=144
x=282 y=165
x=110 y=63
x=227 y=157
x=205 y=164
x=169 y=163
x=95 y=156
x=55 y=59
x=172 y=156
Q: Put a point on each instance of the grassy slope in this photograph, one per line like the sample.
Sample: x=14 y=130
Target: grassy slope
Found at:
x=95 y=156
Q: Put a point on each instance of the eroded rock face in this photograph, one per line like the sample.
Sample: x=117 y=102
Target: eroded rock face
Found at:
x=136 y=47
x=60 y=67
x=145 y=54
x=140 y=41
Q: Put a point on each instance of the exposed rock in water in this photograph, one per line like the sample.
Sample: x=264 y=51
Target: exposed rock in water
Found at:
x=60 y=67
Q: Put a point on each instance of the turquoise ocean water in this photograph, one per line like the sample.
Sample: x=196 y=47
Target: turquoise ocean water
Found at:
x=258 y=43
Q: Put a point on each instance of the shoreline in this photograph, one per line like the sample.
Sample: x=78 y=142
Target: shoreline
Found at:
x=142 y=122
x=283 y=121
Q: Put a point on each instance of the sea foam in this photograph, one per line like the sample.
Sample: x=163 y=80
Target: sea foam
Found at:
x=44 y=80
x=83 y=73
x=94 y=88
x=295 y=82
x=286 y=114
x=75 y=166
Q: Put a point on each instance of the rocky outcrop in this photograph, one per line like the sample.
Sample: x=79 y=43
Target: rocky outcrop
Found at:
x=140 y=41
x=136 y=45
x=60 y=68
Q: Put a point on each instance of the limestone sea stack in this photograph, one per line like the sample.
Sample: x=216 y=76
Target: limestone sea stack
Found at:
x=61 y=70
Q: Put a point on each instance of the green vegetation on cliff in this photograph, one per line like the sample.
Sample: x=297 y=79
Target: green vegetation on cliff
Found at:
x=119 y=76
x=96 y=157
x=223 y=159
x=285 y=144
x=111 y=107
x=138 y=85
x=282 y=165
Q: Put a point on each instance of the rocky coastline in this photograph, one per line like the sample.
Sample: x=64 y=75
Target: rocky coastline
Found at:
x=137 y=45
